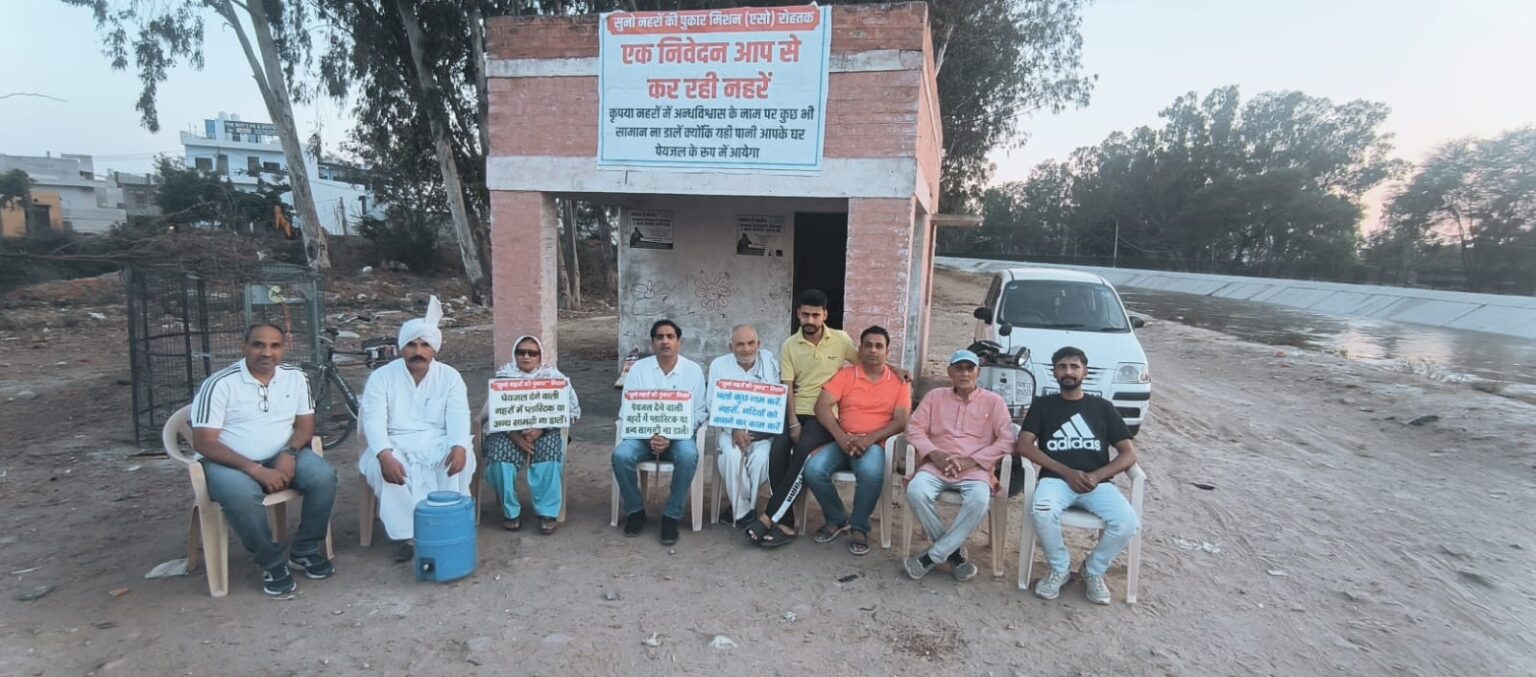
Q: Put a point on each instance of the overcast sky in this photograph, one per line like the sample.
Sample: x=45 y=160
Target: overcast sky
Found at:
x=1447 y=69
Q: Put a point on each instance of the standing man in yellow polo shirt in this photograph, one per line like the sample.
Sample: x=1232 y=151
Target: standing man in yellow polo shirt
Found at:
x=808 y=359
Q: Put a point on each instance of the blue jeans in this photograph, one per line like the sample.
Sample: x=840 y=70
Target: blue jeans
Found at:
x=869 y=470
x=1053 y=496
x=684 y=456
x=240 y=496
x=922 y=495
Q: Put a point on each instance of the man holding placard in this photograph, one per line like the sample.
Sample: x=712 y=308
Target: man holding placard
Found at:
x=747 y=404
x=662 y=405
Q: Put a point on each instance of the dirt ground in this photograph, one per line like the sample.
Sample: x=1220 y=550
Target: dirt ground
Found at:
x=1296 y=523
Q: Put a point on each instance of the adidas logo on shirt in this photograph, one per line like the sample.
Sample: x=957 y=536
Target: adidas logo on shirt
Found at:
x=1074 y=435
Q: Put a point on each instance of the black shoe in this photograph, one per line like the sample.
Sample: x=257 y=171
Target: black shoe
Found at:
x=668 y=531
x=405 y=553
x=315 y=565
x=635 y=524
x=278 y=581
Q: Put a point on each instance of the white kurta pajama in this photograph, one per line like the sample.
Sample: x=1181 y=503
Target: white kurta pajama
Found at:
x=742 y=473
x=420 y=424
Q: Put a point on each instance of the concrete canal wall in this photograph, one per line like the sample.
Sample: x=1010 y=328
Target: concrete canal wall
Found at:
x=1491 y=313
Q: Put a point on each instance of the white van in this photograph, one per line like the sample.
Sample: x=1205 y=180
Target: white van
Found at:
x=1043 y=309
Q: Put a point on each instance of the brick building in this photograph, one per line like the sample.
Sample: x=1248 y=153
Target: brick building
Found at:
x=860 y=226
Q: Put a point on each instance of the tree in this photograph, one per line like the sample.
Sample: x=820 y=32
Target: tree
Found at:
x=160 y=34
x=190 y=197
x=1480 y=196
x=1276 y=181
x=15 y=189
x=422 y=116
x=1000 y=60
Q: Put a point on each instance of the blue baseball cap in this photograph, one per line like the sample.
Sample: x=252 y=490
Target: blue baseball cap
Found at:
x=963 y=355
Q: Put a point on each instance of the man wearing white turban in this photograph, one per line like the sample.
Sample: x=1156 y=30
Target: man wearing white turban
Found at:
x=415 y=416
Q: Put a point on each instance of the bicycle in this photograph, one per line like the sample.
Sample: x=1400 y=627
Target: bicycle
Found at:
x=325 y=381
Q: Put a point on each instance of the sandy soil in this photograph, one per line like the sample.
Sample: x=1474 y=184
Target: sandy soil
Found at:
x=1341 y=539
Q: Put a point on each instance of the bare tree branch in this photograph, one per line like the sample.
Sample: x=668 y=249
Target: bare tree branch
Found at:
x=32 y=94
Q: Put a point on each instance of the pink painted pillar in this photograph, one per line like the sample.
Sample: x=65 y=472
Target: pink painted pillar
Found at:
x=523 y=260
x=879 y=267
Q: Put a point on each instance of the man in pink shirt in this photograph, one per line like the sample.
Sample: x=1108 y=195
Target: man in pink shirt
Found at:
x=960 y=434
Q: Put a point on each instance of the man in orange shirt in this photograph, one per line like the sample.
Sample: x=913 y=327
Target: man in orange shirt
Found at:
x=871 y=403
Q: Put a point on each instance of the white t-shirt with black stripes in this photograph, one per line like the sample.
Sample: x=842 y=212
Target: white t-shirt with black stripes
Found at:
x=230 y=400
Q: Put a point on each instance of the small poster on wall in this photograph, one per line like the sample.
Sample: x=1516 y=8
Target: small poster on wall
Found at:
x=650 y=229
x=759 y=235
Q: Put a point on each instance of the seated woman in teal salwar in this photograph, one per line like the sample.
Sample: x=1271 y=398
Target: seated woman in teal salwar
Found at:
x=541 y=451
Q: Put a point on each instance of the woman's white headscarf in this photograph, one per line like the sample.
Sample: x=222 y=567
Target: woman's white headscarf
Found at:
x=424 y=328
x=544 y=370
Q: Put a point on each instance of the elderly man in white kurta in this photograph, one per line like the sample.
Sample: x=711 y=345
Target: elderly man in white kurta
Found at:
x=415 y=415
x=743 y=459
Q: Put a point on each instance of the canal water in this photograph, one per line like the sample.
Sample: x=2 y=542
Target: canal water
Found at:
x=1491 y=362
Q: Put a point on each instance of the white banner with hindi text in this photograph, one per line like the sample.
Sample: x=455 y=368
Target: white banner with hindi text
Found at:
x=741 y=88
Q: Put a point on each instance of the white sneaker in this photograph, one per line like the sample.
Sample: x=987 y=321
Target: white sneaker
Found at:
x=1049 y=586
x=1098 y=592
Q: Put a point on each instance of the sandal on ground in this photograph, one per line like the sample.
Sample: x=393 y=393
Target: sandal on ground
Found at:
x=775 y=537
x=756 y=530
x=512 y=524
x=828 y=533
x=547 y=525
x=858 y=542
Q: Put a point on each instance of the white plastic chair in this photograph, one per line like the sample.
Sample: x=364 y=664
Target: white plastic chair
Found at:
x=847 y=477
x=1082 y=519
x=997 y=515
x=650 y=470
x=208 y=536
x=367 y=503
x=477 y=485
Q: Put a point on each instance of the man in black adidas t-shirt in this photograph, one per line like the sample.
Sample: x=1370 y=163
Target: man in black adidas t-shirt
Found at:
x=1069 y=435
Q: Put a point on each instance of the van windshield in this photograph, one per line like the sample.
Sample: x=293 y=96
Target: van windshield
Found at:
x=1056 y=304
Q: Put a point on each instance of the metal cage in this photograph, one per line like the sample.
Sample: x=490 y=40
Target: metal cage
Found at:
x=183 y=325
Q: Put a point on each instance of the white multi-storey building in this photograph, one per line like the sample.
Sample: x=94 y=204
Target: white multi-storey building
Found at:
x=243 y=151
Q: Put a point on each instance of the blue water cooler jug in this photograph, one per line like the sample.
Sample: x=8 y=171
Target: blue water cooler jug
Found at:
x=445 y=537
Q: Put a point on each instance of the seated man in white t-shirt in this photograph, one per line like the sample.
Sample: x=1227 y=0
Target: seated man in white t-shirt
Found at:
x=252 y=423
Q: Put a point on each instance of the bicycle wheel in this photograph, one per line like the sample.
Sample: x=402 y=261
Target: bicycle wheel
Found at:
x=333 y=418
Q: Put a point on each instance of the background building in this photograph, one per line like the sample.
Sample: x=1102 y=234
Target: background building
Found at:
x=244 y=151
x=66 y=195
x=140 y=193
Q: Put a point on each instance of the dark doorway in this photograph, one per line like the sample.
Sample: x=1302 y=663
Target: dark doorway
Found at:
x=821 y=259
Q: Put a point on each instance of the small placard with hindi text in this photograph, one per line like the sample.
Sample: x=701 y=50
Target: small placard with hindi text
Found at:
x=668 y=413
x=754 y=406
x=521 y=404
